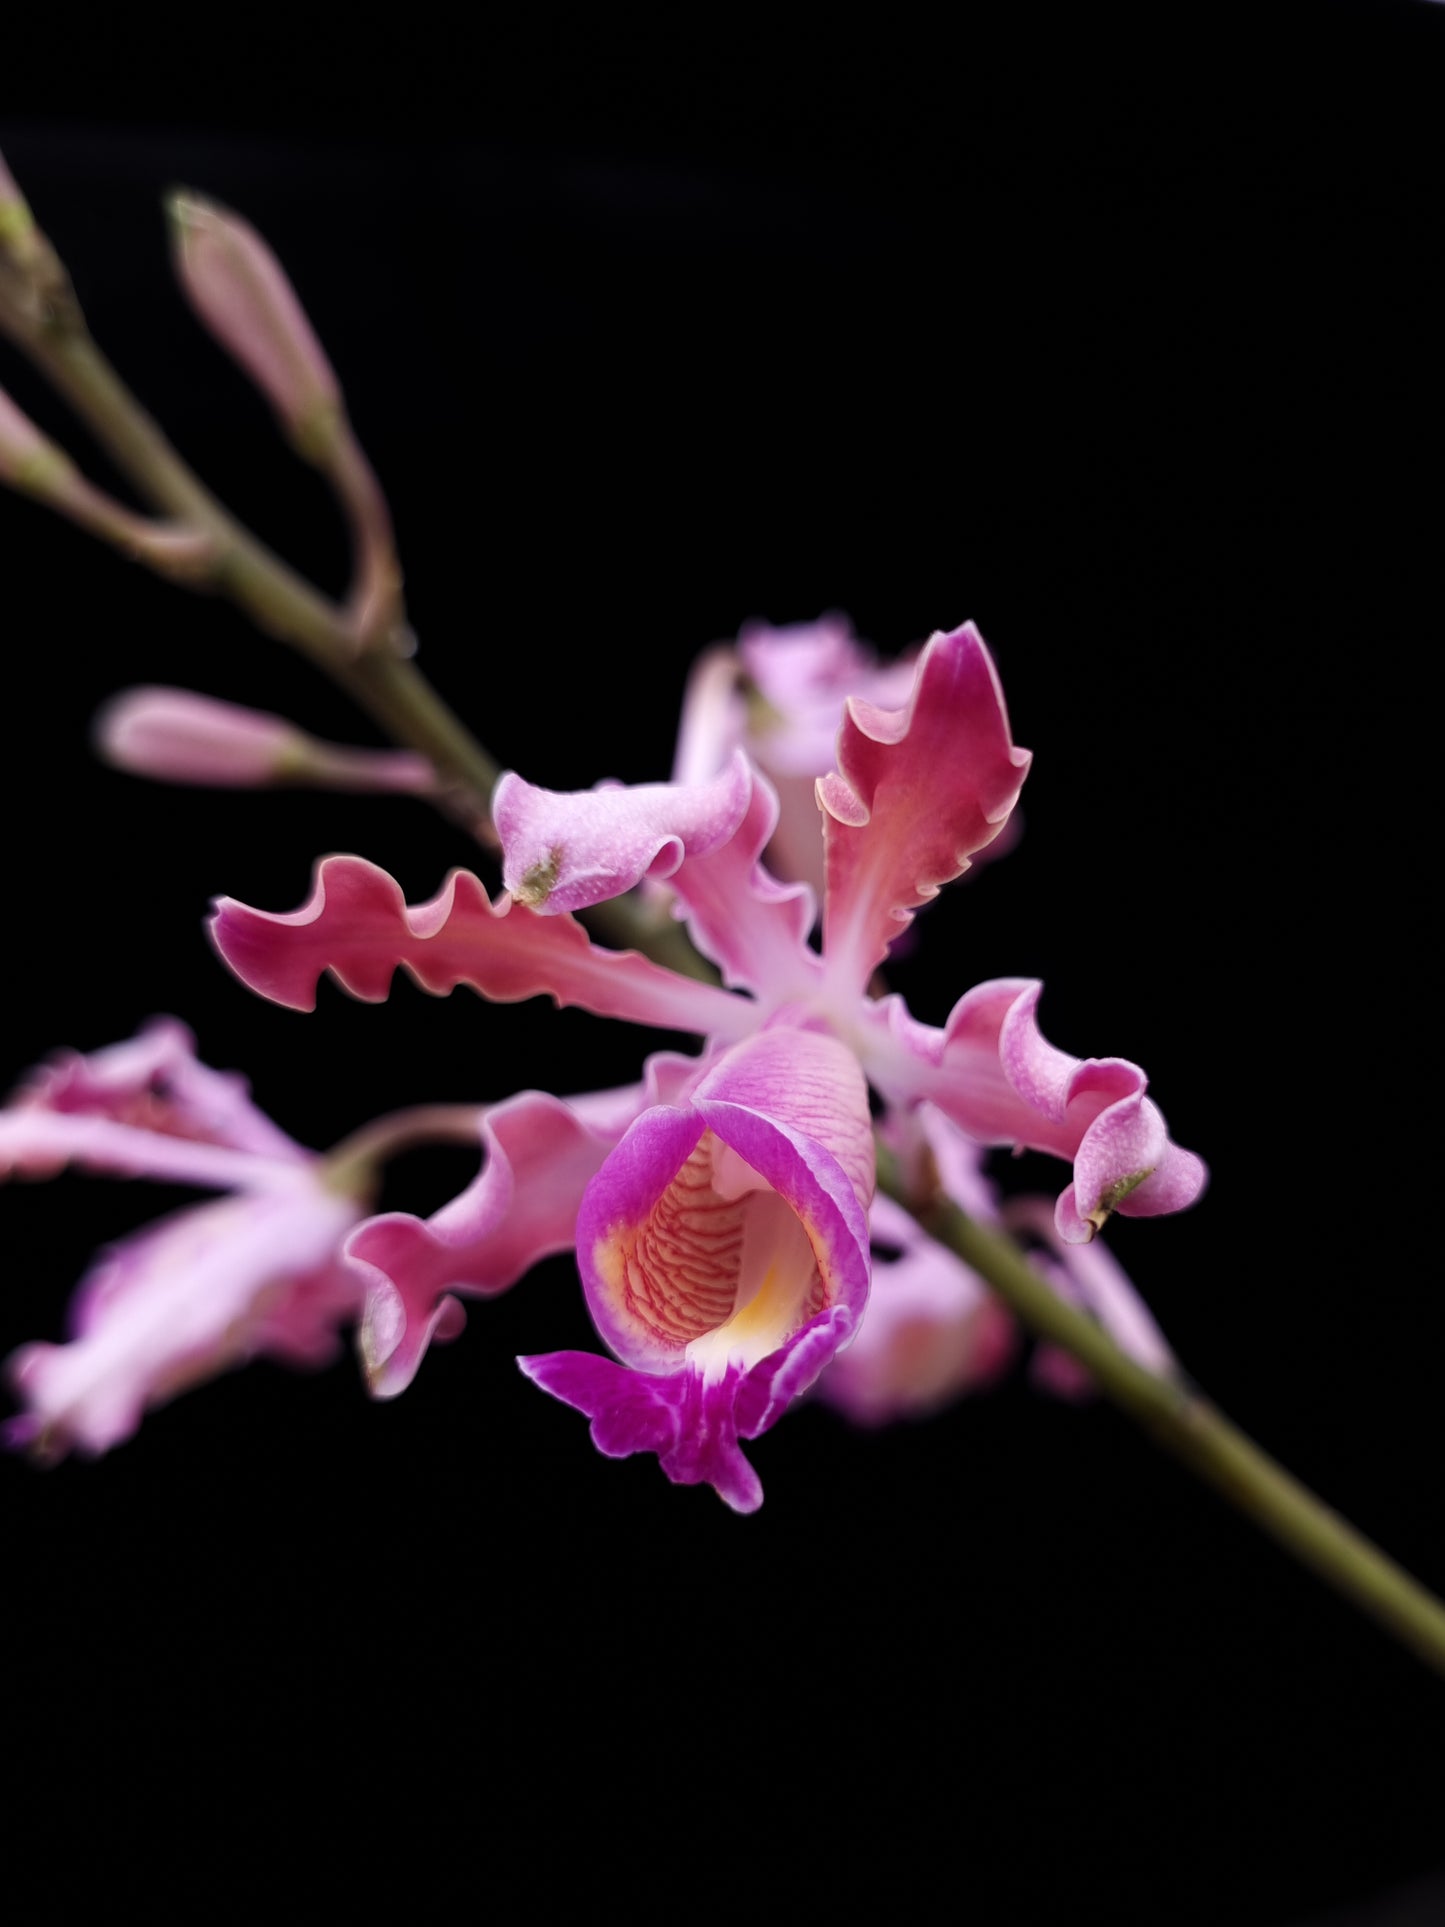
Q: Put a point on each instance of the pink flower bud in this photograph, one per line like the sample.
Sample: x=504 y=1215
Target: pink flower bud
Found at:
x=176 y=736
x=238 y=288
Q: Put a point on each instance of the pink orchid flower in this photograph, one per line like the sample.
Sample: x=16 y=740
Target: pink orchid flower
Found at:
x=723 y=1235
x=256 y=1273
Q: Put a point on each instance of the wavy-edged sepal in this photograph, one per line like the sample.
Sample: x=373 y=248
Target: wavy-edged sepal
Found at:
x=689 y=1422
x=991 y=1070
x=357 y=925
x=539 y=1155
x=565 y=849
x=917 y=790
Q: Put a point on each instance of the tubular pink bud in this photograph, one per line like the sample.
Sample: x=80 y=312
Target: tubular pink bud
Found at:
x=177 y=736
x=240 y=291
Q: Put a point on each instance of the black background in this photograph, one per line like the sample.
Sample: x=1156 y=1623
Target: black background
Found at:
x=1123 y=340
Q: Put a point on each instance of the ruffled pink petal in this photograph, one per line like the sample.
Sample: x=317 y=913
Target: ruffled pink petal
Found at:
x=932 y=1332
x=540 y=1154
x=917 y=790
x=357 y=925
x=155 y=1082
x=993 y=1073
x=203 y=1290
x=562 y=851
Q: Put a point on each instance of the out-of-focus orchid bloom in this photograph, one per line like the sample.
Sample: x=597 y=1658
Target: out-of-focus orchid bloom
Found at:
x=210 y=1286
x=176 y=736
x=778 y=694
x=723 y=1240
x=933 y=1330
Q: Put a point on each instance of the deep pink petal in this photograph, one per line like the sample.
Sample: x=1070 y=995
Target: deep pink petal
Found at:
x=564 y=850
x=916 y=792
x=357 y=925
x=994 y=1074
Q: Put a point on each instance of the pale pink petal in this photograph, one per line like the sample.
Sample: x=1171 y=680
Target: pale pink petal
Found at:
x=565 y=850
x=39 y=1143
x=540 y=1154
x=156 y=1083
x=357 y=925
x=801 y=675
x=992 y=1072
x=1090 y=1276
x=917 y=790
x=713 y=720
x=201 y=1291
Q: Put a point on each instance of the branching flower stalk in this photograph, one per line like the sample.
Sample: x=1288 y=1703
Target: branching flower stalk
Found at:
x=730 y=1212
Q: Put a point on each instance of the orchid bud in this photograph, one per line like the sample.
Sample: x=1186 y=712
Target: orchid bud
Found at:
x=240 y=291
x=177 y=736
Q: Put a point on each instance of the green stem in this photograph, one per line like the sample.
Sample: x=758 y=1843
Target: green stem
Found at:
x=1177 y=1417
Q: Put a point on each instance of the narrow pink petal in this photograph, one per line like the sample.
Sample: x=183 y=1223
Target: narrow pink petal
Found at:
x=539 y=1156
x=357 y=925
x=752 y=927
x=994 y=1074
x=562 y=851
x=1091 y=1276
x=916 y=792
x=201 y=1291
x=713 y=717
